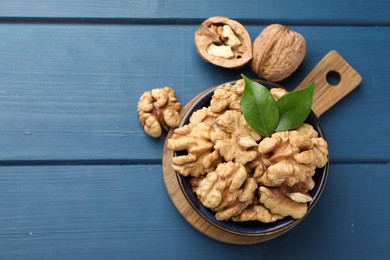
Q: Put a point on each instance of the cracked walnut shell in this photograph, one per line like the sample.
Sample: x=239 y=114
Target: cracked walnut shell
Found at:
x=223 y=42
x=157 y=110
x=277 y=52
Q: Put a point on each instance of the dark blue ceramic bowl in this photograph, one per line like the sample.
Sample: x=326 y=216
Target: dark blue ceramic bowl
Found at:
x=251 y=228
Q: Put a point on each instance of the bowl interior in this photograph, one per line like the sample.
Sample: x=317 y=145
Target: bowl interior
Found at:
x=250 y=227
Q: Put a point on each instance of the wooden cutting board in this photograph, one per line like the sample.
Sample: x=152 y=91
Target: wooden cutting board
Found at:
x=325 y=96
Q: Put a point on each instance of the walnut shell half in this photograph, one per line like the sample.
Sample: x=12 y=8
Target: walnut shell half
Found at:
x=277 y=52
x=223 y=42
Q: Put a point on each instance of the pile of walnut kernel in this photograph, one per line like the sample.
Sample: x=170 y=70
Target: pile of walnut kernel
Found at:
x=237 y=173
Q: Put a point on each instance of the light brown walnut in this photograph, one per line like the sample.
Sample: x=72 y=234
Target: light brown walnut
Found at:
x=205 y=115
x=291 y=157
x=158 y=109
x=257 y=212
x=279 y=203
x=233 y=138
x=199 y=155
x=318 y=154
x=195 y=181
x=277 y=52
x=227 y=97
x=227 y=190
x=277 y=92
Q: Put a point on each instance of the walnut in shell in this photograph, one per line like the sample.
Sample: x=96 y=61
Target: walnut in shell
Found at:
x=223 y=42
x=277 y=52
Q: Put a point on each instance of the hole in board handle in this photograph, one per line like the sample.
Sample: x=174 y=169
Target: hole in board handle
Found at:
x=333 y=78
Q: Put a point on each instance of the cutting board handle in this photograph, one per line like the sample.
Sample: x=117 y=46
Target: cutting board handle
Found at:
x=325 y=94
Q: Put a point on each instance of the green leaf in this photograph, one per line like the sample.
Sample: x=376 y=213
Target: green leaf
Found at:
x=294 y=107
x=259 y=108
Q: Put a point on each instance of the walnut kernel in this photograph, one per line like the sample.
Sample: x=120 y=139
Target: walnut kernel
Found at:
x=200 y=156
x=227 y=190
x=158 y=109
x=223 y=42
x=257 y=213
x=233 y=138
x=278 y=203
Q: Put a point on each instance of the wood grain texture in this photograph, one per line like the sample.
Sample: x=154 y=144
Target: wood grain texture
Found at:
x=79 y=179
x=69 y=100
x=365 y=12
x=122 y=212
x=325 y=94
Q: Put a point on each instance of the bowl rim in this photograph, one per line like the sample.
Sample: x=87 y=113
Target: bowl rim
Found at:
x=246 y=228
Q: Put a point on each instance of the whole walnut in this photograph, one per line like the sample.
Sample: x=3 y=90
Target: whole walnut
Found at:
x=277 y=52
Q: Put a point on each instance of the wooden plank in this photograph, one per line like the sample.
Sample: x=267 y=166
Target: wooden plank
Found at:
x=365 y=12
x=69 y=92
x=122 y=212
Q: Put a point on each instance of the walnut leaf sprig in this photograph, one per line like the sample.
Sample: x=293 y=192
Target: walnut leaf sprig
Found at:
x=266 y=115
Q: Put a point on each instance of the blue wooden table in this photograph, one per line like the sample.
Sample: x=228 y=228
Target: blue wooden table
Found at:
x=79 y=178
